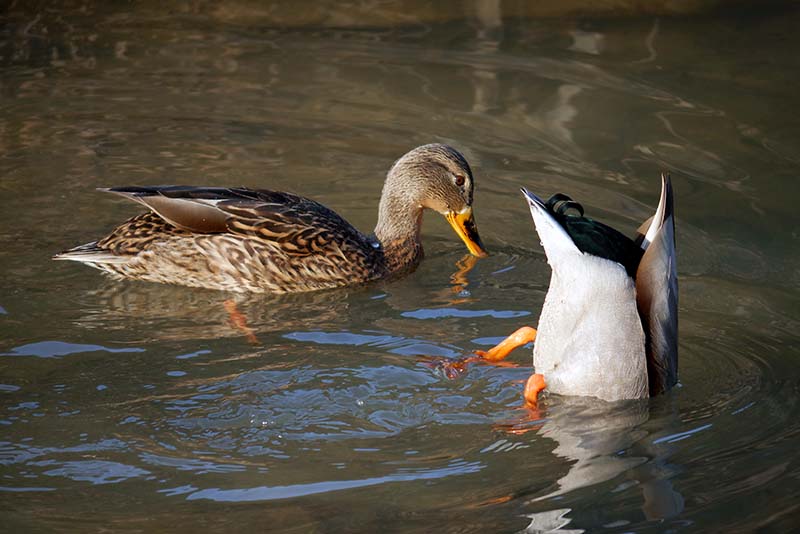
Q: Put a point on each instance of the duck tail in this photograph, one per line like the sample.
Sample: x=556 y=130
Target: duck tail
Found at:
x=90 y=253
x=657 y=294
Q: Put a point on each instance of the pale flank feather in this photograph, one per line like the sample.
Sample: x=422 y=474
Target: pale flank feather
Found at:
x=657 y=295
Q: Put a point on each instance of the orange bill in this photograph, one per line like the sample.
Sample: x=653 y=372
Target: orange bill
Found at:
x=464 y=225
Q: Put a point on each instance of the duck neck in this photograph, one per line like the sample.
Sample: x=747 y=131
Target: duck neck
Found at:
x=398 y=228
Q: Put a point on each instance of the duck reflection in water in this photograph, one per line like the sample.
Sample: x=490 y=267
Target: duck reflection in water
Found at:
x=165 y=312
x=606 y=442
x=162 y=312
x=457 y=292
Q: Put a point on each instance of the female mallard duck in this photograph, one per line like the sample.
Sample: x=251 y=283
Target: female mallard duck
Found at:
x=609 y=324
x=263 y=241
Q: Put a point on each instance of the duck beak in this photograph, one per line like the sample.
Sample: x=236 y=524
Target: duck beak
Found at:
x=464 y=225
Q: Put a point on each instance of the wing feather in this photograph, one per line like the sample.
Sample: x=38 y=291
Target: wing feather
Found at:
x=300 y=226
x=657 y=293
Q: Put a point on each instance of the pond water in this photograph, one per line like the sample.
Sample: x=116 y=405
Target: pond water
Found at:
x=140 y=407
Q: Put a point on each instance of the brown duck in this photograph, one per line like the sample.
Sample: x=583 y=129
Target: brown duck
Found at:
x=239 y=239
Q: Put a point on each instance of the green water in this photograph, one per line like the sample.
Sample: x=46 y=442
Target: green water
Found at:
x=130 y=406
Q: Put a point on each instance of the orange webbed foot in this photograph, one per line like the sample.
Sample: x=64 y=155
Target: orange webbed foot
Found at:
x=524 y=335
x=450 y=369
x=533 y=387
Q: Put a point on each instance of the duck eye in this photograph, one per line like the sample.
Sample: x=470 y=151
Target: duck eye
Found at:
x=460 y=180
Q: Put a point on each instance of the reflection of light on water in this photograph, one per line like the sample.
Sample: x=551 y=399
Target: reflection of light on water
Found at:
x=550 y=521
x=269 y=493
x=193 y=354
x=603 y=441
x=97 y=471
x=343 y=338
x=680 y=436
x=555 y=117
x=504 y=445
x=592 y=437
x=440 y=313
x=394 y=344
x=587 y=42
x=56 y=349
x=649 y=44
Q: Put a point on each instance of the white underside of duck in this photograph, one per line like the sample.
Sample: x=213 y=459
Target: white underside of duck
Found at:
x=590 y=339
x=605 y=330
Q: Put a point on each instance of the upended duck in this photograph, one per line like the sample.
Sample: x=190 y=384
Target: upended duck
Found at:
x=609 y=323
x=242 y=240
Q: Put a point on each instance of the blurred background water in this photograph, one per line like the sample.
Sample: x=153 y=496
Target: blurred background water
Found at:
x=131 y=406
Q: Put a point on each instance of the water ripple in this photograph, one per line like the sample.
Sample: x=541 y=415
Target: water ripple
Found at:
x=95 y=471
x=57 y=349
x=269 y=493
x=440 y=313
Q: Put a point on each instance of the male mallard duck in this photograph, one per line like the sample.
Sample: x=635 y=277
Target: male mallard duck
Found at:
x=609 y=324
x=264 y=241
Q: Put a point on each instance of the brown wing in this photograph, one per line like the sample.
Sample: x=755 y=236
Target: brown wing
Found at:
x=298 y=225
x=657 y=292
x=190 y=208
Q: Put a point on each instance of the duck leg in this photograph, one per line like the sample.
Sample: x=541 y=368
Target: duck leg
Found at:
x=524 y=335
x=533 y=386
x=496 y=354
x=239 y=321
x=531 y=411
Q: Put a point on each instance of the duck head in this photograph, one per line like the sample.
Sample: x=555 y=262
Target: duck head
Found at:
x=435 y=177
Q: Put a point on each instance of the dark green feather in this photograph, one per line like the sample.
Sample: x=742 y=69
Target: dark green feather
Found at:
x=595 y=238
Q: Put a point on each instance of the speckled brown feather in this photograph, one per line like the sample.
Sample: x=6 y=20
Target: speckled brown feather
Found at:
x=267 y=247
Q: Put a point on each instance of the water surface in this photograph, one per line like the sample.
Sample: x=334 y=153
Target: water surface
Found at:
x=136 y=406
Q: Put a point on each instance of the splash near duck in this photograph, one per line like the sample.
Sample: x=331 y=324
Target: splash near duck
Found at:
x=609 y=323
x=246 y=240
